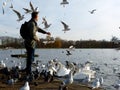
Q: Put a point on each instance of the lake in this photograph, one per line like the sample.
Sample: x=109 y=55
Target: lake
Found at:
x=105 y=59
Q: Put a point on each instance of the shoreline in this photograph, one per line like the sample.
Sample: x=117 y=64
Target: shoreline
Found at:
x=40 y=84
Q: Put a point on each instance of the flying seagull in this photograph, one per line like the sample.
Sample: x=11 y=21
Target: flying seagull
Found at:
x=3 y=11
x=45 y=23
x=3 y=6
x=27 y=10
x=20 y=17
x=64 y=2
x=66 y=27
x=92 y=12
x=32 y=8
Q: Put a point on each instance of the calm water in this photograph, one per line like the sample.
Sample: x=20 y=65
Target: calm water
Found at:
x=105 y=59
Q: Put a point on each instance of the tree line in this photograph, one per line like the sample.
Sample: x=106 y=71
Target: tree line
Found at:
x=60 y=43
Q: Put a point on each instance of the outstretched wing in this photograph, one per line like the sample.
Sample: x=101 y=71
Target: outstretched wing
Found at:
x=3 y=10
x=11 y=5
x=94 y=10
x=26 y=9
x=32 y=8
x=18 y=14
x=64 y=24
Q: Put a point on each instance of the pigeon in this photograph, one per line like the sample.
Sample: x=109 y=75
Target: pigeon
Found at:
x=25 y=87
x=64 y=2
x=20 y=17
x=45 y=23
x=92 y=12
x=66 y=27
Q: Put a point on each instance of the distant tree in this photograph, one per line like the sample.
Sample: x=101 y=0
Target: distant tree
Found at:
x=57 y=43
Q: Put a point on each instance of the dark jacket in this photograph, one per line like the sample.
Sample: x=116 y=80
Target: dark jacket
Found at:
x=30 y=41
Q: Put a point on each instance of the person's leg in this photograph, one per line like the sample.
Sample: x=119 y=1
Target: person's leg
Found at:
x=30 y=59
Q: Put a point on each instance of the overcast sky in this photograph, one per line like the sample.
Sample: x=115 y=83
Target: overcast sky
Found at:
x=103 y=24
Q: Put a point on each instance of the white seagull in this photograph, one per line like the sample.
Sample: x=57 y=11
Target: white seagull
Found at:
x=66 y=27
x=45 y=23
x=20 y=17
x=71 y=48
x=25 y=87
x=3 y=6
x=64 y=2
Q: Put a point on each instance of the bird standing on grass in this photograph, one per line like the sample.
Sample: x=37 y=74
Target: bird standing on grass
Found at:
x=25 y=87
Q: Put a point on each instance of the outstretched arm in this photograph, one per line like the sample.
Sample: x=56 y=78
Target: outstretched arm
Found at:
x=42 y=31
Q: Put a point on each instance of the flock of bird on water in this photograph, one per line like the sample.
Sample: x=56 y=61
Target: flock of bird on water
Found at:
x=67 y=73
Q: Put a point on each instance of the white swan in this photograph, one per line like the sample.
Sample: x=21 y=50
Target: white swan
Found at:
x=62 y=70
